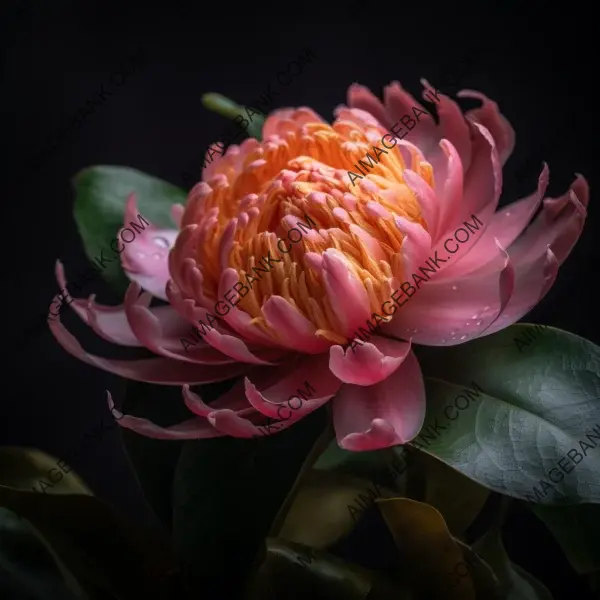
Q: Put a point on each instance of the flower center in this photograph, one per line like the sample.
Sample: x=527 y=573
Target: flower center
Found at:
x=291 y=202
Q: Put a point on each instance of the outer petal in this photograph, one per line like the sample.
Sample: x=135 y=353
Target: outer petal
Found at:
x=505 y=226
x=269 y=390
x=197 y=428
x=369 y=363
x=145 y=258
x=492 y=119
x=453 y=312
x=387 y=414
x=151 y=370
x=147 y=328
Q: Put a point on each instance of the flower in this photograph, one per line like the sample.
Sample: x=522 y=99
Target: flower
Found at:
x=294 y=325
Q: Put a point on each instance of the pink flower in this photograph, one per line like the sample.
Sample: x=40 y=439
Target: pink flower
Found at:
x=385 y=234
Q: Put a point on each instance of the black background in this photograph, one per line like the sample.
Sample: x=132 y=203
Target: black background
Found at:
x=535 y=61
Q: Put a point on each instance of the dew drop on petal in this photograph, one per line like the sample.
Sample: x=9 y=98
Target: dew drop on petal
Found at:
x=464 y=337
x=479 y=322
x=156 y=256
x=161 y=241
x=140 y=255
x=454 y=287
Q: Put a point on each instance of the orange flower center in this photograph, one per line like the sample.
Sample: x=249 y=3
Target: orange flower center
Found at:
x=302 y=177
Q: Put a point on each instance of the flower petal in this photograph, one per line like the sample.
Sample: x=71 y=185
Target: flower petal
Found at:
x=149 y=370
x=387 y=414
x=145 y=258
x=193 y=429
x=371 y=362
x=346 y=293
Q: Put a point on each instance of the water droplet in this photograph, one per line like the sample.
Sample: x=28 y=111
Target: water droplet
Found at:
x=479 y=322
x=454 y=287
x=508 y=213
x=140 y=255
x=452 y=332
x=443 y=341
x=156 y=256
x=464 y=337
x=474 y=316
x=161 y=241
x=467 y=323
x=486 y=308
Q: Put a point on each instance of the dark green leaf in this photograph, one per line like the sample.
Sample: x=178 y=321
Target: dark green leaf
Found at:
x=296 y=572
x=516 y=584
x=505 y=414
x=577 y=530
x=27 y=569
x=154 y=461
x=101 y=192
x=227 y=494
x=110 y=555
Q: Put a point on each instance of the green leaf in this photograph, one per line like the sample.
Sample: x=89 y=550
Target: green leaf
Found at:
x=577 y=530
x=229 y=109
x=506 y=416
x=227 y=493
x=154 y=461
x=382 y=467
x=110 y=555
x=516 y=584
x=100 y=195
x=27 y=569
x=296 y=572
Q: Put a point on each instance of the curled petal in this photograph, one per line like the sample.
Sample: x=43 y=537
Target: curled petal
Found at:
x=387 y=414
x=150 y=370
x=266 y=395
x=193 y=429
x=370 y=363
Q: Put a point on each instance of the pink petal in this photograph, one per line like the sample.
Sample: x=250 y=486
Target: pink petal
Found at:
x=298 y=333
x=147 y=328
x=145 y=258
x=430 y=206
x=482 y=184
x=387 y=414
x=150 y=370
x=109 y=322
x=238 y=319
x=369 y=363
x=347 y=294
x=450 y=195
x=416 y=245
x=453 y=312
x=559 y=225
x=505 y=226
x=452 y=125
x=297 y=116
x=271 y=389
x=492 y=119
x=234 y=399
x=532 y=283
x=398 y=103
x=197 y=428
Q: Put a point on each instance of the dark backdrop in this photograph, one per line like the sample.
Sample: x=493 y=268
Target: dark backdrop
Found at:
x=534 y=60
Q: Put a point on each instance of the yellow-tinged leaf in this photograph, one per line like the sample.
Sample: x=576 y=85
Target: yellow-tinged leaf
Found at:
x=429 y=555
x=458 y=498
x=327 y=507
